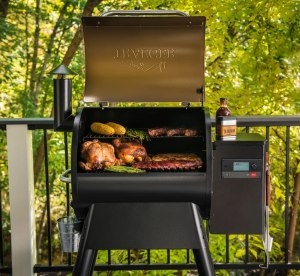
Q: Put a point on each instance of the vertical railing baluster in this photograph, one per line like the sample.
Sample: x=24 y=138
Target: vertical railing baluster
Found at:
x=1 y=230
x=247 y=248
x=188 y=256
x=128 y=257
x=49 y=239
x=108 y=256
x=268 y=136
x=287 y=194
x=66 y=156
x=66 y=167
x=227 y=248
x=148 y=256
x=168 y=256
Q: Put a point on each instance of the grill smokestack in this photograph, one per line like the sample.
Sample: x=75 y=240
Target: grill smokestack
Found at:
x=63 y=118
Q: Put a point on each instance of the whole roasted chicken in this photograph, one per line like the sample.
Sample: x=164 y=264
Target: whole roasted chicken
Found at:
x=130 y=152
x=97 y=155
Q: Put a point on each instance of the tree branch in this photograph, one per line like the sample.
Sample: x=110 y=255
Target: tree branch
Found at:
x=88 y=9
x=293 y=216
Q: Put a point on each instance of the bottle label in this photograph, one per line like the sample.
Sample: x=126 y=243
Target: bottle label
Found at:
x=226 y=128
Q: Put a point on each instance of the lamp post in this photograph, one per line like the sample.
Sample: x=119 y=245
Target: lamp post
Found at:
x=63 y=118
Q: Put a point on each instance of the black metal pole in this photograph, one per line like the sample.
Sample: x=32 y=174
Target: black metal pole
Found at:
x=62 y=101
x=202 y=255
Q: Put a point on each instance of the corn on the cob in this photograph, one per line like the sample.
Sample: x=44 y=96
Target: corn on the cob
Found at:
x=119 y=129
x=102 y=129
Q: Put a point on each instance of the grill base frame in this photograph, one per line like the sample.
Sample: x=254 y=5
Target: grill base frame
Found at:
x=149 y=225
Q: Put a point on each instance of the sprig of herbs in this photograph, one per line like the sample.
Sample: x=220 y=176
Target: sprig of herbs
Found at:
x=125 y=169
x=137 y=134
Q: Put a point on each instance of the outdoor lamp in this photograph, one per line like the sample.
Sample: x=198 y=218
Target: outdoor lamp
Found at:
x=63 y=118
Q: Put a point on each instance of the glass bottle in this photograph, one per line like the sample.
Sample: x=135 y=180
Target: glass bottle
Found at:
x=223 y=110
x=225 y=124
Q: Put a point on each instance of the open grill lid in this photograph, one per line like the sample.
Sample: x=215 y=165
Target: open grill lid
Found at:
x=144 y=59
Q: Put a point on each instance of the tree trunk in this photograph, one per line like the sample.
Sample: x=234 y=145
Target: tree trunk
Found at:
x=4 y=8
x=294 y=216
x=36 y=43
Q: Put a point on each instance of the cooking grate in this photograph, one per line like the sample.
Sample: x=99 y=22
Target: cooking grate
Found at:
x=91 y=136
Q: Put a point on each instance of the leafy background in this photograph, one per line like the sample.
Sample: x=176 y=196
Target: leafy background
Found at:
x=252 y=57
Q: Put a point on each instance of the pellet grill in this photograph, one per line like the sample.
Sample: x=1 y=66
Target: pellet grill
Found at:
x=152 y=59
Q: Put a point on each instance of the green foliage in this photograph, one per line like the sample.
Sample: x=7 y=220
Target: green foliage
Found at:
x=252 y=52
x=135 y=257
x=252 y=57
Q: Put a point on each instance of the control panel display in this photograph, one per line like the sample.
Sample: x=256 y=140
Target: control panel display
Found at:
x=242 y=168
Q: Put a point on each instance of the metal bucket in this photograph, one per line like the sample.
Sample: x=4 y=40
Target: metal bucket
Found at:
x=70 y=232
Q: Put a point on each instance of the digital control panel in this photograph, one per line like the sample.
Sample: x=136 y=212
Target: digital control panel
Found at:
x=242 y=168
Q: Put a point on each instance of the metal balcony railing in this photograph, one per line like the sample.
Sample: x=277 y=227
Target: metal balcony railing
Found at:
x=21 y=229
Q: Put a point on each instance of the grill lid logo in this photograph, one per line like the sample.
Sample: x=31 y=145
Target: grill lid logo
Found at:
x=145 y=59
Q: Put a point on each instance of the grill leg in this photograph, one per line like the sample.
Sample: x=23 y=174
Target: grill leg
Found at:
x=202 y=256
x=85 y=263
x=86 y=257
x=204 y=266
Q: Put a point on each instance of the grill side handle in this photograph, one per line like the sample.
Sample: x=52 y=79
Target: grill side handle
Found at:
x=144 y=12
x=63 y=177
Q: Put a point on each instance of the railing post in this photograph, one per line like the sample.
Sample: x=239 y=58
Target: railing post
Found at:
x=21 y=195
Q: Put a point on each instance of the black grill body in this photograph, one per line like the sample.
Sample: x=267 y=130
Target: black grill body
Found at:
x=161 y=186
